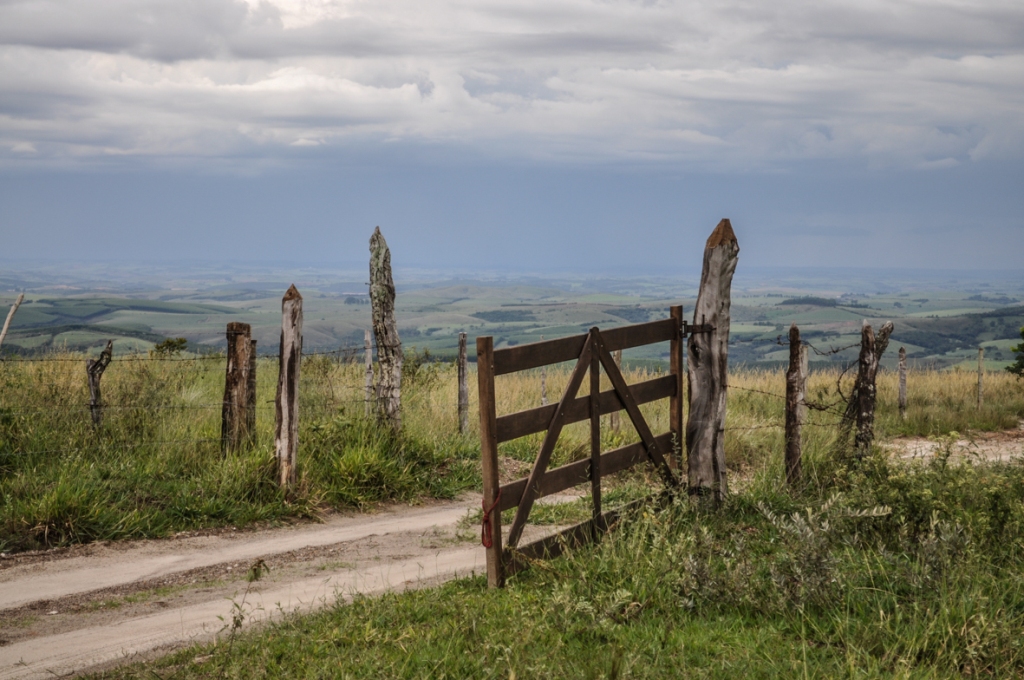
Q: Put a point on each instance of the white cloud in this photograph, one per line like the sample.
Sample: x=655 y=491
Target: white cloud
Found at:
x=733 y=83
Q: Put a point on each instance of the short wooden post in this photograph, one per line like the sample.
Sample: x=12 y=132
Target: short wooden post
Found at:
x=385 y=329
x=613 y=417
x=543 y=383
x=10 y=315
x=708 y=359
x=903 y=383
x=234 y=428
x=867 y=369
x=795 y=390
x=463 y=386
x=250 y=404
x=981 y=373
x=368 y=387
x=675 y=404
x=286 y=438
x=94 y=369
x=489 y=456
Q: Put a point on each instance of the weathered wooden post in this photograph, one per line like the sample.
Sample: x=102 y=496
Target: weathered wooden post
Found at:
x=368 y=388
x=234 y=427
x=981 y=373
x=250 y=404
x=708 y=355
x=795 y=391
x=385 y=329
x=463 y=386
x=613 y=417
x=94 y=369
x=286 y=437
x=491 y=536
x=903 y=383
x=871 y=348
x=10 y=315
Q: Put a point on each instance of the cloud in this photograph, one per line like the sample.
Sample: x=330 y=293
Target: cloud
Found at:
x=734 y=84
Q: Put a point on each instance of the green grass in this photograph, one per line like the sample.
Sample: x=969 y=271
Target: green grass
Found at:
x=875 y=570
x=156 y=467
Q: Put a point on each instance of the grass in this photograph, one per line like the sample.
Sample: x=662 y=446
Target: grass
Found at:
x=875 y=568
x=878 y=569
x=155 y=467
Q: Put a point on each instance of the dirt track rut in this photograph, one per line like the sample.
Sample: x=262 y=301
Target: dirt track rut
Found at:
x=68 y=611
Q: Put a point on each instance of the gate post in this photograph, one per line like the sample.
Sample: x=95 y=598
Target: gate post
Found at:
x=708 y=367
x=489 y=456
x=675 y=404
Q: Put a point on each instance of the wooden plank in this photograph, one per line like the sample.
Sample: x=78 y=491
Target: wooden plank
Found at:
x=547 y=352
x=463 y=386
x=533 y=420
x=489 y=455
x=540 y=465
x=537 y=354
x=578 y=472
x=639 y=334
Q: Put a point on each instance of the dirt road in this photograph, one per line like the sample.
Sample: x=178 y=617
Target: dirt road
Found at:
x=90 y=606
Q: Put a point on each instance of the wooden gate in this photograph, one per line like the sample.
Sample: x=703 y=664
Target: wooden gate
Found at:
x=592 y=351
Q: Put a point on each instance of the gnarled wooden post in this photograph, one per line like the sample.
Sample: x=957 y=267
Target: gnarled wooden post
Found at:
x=903 y=384
x=385 y=329
x=871 y=349
x=94 y=368
x=368 y=373
x=234 y=425
x=286 y=438
x=708 y=358
x=463 y=386
x=795 y=391
x=10 y=315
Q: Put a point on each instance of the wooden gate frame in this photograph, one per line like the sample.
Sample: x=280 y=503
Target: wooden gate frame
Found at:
x=591 y=350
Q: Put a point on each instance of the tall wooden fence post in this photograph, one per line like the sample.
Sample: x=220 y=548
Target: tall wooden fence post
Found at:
x=463 y=386
x=368 y=387
x=866 y=390
x=94 y=369
x=981 y=373
x=489 y=455
x=250 y=403
x=708 y=355
x=795 y=390
x=903 y=384
x=385 y=329
x=286 y=437
x=234 y=427
x=10 y=315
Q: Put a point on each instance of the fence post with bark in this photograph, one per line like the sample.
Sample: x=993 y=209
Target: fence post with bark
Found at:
x=708 y=356
x=286 y=437
x=94 y=369
x=10 y=315
x=368 y=360
x=981 y=374
x=385 y=329
x=860 y=408
x=234 y=429
x=796 y=388
x=902 y=399
x=463 y=386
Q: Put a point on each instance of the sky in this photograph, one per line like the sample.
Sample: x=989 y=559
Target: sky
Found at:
x=602 y=136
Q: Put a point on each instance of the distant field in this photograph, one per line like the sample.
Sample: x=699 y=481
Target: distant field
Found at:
x=939 y=328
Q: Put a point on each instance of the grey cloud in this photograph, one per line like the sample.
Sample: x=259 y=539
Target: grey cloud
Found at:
x=742 y=83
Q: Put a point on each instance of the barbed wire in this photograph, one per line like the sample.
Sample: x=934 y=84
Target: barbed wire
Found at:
x=126 y=445
x=349 y=350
